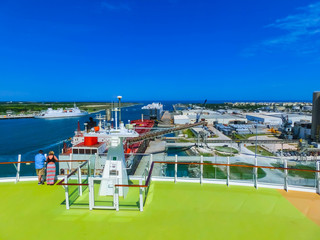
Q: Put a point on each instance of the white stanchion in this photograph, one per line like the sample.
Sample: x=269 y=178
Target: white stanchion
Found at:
x=286 y=175
x=66 y=188
x=95 y=163
x=70 y=163
x=228 y=171
x=256 y=173
x=151 y=160
x=201 y=169
x=116 y=201
x=176 y=169
x=91 y=196
x=79 y=181
x=141 y=196
x=318 y=176
x=18 y=168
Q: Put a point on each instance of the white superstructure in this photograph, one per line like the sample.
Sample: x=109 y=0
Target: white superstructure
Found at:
x=154 y=110
x=62 y=113
x=158 y=106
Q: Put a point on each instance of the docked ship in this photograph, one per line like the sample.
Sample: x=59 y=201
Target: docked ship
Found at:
x=96 y=139
x=153 y=110
x=62 y=113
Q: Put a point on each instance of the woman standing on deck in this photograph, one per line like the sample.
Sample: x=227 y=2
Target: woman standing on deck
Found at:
x=51 y=168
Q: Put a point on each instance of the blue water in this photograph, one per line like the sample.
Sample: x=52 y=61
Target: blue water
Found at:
x=176 y=151
x=182 y=169
x=28 y=136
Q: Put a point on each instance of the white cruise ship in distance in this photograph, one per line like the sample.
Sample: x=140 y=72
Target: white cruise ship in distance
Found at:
x=62 y=113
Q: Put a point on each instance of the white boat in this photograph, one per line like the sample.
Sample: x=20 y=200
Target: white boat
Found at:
x=62 y=113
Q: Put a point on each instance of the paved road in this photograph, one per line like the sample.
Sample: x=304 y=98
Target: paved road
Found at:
x=157 y=148
x=220 y=135
x=277 y=146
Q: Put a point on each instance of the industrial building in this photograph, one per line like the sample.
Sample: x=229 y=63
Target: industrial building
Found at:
x=241 y=128
x=274 y=119
x=307 y=108
x=181 y=119
x=302 y=130
x=198 y=111
x=315 y=130
x=211 y=119
x=263 y=119
x=294 y=117
x=190 y=116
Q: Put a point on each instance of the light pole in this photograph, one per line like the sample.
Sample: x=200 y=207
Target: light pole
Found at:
x=119 y=106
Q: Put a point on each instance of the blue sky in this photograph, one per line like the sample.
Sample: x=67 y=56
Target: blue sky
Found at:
x=159 y=50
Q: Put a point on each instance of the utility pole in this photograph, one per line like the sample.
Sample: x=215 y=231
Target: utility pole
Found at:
x=119 y=106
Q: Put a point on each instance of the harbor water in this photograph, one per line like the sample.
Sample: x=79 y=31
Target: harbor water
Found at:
x=28 y=136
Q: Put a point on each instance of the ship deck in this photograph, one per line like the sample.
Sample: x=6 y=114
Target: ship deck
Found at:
x=172 y=211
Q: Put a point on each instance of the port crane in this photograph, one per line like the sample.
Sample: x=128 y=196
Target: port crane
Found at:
x=286 y=127
x=199 y=114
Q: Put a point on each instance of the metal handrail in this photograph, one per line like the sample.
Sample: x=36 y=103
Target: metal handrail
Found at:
x=45 y=161
x=61 y=183
x=137 y=185
x=237 y=165
x=186 y=163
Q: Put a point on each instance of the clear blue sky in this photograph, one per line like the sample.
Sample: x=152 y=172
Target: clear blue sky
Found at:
x=159 y=50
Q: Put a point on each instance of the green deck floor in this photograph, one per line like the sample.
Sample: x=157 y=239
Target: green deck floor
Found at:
x=130 y=202
x=172 y=211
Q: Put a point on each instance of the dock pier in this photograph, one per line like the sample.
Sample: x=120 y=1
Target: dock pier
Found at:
x=6 y=117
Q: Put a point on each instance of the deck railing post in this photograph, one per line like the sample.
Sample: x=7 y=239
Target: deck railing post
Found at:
x=228 y=171
x=91 y=196
x=281 y=153
x=318 y=176
x=79 y=181
x=141 y=196
x=176 y=169
x=18 y=168
x=89 y=168
x=69 y=163
x=66 y=188
x=256 y=173
x=285 y=163
x=116 y=199
x=95 y=163
x=151 y=160
x=201 y=169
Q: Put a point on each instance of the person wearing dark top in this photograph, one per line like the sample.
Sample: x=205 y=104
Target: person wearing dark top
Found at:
x=91 y=123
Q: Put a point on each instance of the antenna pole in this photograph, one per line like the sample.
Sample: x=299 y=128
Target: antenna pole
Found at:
x=119 y=107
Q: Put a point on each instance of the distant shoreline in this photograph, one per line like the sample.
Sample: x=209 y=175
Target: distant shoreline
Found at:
x=109 y=108
x=17 y=108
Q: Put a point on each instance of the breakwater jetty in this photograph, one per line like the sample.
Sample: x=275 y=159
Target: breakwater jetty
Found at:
x=20 y=116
